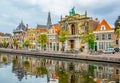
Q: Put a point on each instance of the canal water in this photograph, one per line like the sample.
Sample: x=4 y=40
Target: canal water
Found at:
x=35 y=69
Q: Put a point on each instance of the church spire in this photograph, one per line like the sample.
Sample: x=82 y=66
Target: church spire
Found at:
x=85 y=13
x=49 y=20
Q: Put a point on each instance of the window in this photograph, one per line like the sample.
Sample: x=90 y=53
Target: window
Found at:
x=108 y=45
x=109 y=36
x=100 y=45
x=103 y=36
x=116 y=41
x=117 y=71
x=50 y=45
x=73 y=29
x=97 y=38
x=103 y=28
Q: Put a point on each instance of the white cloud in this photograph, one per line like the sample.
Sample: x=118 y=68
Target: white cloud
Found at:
x=57 y=7
x=35 y=12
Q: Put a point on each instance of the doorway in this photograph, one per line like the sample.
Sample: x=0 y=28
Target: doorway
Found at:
x=71 y=44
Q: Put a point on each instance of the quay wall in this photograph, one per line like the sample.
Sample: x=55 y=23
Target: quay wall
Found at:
x=63 y=55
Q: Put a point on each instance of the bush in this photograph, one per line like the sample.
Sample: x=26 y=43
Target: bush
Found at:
x=81 y=49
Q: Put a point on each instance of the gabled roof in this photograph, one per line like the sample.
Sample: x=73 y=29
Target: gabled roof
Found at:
x=104 y=23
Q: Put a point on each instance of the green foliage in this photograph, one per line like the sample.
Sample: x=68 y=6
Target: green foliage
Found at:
x=5 y=44
x=89 y=38
x=63 y=36
x=63 y=77
x=15 y=43
x=26 y=64
x=27 y=43
x=111 y=46
x=89 y=35
x=91 y=43
x=4 y=59
x=42 y=59
x=42 y=40
x=15 y=63
x=87 y=79
x=118 y=33
x=91 y=69
x=42 y=71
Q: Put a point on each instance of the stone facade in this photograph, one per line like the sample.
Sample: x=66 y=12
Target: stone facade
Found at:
x=76 y=25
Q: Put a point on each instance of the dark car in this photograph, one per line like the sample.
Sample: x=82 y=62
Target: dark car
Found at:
x=116 y=49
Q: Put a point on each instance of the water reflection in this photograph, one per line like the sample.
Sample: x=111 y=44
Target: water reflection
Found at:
x=59 y=70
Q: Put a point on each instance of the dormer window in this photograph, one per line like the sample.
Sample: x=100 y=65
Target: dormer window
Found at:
x=103 y=28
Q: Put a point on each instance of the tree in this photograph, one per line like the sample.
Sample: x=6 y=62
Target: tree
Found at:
x=117 y=30
x=42 y=71
x=62 y=38
x=118 y=33
x=91 y=43
x=5 y=44
x=63 y=76
x=42 y=40
x=27 y=43
x=15 y=43
x=89 y=38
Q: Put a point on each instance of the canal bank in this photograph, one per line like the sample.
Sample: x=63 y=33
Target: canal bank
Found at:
x=80 y=56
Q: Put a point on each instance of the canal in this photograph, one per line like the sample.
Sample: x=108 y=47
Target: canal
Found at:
x=16 y=68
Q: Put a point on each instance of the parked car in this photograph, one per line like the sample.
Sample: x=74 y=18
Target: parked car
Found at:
x=109 y=51
x=116 y=49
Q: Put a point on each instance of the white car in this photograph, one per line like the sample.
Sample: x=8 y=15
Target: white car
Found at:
x=109 y=51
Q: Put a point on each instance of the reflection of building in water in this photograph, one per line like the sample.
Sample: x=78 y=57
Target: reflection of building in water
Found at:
x=77 y=72
x=107 y=73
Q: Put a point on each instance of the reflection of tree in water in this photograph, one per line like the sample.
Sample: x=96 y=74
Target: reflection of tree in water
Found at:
x=26 y=64
x=91 y=70
x=63 y=76
x=86 y=79
x=4 y=59
x=18 y=69
x=41 y=71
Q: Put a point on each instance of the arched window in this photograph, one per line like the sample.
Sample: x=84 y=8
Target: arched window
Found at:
x=73 y=29
x=103 y=28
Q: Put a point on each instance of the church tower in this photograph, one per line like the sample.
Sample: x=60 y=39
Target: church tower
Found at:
x=49 y=20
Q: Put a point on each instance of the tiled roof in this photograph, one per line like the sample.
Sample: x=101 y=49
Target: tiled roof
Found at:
x=42 y=26
x=93 y=24
x=43 y=30
x=103 y=23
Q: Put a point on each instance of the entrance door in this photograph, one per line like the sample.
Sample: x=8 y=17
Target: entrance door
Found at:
x=71 y=44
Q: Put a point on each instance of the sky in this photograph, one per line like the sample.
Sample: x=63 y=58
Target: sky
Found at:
x=33 y=12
